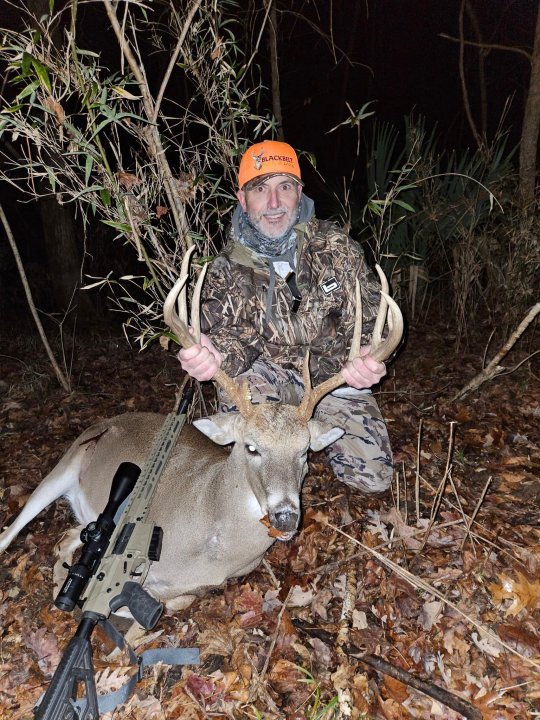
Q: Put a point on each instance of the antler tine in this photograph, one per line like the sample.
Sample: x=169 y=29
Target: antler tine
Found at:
x=196 y=305
x=313 y=395
x=376 y=337
x=239 y=393
x=380 y=350
x=384 y=349
x=171 y=316
x=184 y=272
x=357 y=333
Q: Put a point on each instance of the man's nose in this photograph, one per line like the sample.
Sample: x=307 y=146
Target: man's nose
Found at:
x=273 y=200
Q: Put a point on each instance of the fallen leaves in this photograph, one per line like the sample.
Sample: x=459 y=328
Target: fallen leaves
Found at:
x=261 y=659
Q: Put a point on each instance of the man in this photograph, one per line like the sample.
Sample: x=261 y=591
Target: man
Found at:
x=284 y=284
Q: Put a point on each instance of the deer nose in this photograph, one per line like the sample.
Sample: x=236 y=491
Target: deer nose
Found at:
x=285 y=519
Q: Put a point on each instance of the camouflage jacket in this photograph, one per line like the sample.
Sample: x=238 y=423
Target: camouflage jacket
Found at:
x=235 y=296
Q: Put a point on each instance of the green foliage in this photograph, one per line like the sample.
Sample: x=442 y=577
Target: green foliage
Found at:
x=154 y=164
x=318 y=710
x=429 y=214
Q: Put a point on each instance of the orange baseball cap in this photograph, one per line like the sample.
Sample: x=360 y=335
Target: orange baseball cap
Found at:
x=269 y=157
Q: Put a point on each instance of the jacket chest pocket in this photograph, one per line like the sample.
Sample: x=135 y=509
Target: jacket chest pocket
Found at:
x=329 y=301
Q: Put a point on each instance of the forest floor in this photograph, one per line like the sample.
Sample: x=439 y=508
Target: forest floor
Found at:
x=446 y=588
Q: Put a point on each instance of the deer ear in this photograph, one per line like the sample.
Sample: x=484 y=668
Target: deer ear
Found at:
x=323 y=435
x=219 y=428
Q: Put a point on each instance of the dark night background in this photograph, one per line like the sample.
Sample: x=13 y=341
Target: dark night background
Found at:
x=389 y=52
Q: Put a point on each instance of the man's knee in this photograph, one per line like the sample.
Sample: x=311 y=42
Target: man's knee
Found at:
x=362 y=458
x=368 y=475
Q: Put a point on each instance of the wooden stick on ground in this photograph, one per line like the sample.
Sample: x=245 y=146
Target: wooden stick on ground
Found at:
x=463 y=707
x=493 y=368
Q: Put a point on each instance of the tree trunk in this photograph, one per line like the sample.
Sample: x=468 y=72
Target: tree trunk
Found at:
x=60 y=232
x=60 y=236
x=529 y=133
x=276 y=93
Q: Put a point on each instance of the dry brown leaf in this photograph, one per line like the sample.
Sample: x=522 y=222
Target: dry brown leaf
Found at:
x=219 y=639
x=523 y=593
x=285 y=676
x=45 y=645
x=127 y=180
x=395 y=689
x=54 y=106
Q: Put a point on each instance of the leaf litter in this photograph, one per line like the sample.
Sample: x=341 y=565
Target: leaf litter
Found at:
x=439 y=579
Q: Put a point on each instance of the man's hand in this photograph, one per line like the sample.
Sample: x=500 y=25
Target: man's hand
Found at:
x=201 y=360
x=364 y=371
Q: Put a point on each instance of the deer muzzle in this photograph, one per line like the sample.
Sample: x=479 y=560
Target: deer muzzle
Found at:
x=285 y=518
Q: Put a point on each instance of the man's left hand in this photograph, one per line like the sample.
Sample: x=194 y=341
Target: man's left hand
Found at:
x=364 y=371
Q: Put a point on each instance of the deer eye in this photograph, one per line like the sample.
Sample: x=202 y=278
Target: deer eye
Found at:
x=252 y=450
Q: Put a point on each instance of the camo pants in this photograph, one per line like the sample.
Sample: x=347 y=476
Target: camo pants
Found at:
x=362 y=457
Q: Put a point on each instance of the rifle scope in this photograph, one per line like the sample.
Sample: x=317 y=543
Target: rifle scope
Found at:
x=96 y=536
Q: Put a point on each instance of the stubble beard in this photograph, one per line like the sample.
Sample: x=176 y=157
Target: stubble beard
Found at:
x=258 y=220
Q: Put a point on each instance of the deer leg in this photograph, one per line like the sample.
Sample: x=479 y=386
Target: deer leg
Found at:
x=179 y=603
x=60 y=481
x=64 y=550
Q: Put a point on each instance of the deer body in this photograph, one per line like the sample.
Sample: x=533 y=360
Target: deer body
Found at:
x=209 y=501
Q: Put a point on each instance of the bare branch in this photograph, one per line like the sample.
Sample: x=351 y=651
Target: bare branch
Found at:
x=62 y=379
x=493 y=368
x=488 y=46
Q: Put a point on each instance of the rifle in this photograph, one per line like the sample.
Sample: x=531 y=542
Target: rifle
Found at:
x=118 y=549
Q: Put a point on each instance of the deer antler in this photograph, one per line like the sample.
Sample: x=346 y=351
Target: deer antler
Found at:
x=380 y=349
x=178 y=323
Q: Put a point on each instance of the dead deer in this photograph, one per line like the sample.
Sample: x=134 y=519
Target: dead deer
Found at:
x=209 y=502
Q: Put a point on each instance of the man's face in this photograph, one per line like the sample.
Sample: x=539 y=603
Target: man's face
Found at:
x=272 y=205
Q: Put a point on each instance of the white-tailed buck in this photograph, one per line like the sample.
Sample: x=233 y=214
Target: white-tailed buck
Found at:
x=209 y=501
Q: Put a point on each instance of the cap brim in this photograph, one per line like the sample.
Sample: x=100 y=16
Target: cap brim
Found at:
x=255 y=182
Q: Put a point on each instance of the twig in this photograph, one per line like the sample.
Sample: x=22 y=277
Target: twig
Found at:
x=418 y=583
x=462 y=511
x=269 y=570
x=60 y=376
x=349 y=601
x=463 y=707
x=417 y=476
x=464 y=89
x=493 y=368
x=488 y=46
x=440 y=490
x=172 y=62
x=473 y=516
x=274 y=638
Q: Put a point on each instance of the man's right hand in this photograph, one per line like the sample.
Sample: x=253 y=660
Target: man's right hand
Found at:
x=201 y=360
